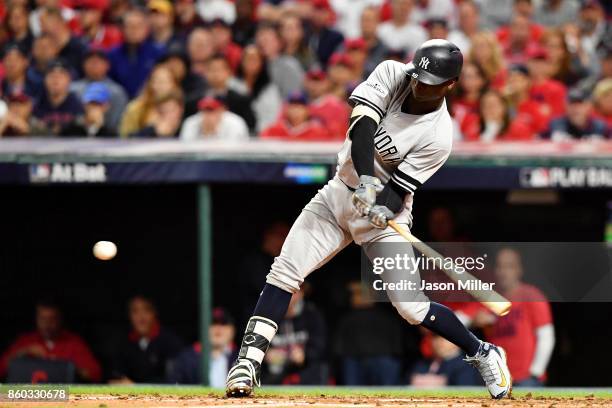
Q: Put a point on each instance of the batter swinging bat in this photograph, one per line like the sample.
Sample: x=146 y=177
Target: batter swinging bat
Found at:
x=490 y=299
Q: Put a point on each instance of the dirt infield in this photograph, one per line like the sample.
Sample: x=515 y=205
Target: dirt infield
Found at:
x=108 y=401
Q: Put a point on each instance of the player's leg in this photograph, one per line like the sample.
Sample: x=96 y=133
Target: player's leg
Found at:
x=417 y=309
x=312 y=241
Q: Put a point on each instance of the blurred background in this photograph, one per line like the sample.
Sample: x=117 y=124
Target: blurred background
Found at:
x=151 y=101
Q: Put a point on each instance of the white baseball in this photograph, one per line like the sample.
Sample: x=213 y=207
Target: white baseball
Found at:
x=105 y=250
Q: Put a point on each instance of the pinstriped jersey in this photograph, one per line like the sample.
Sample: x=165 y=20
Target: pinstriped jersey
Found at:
x=409 y=149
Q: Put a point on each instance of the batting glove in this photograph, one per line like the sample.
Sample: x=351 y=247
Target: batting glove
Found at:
x=379 y=215
x=365 y=196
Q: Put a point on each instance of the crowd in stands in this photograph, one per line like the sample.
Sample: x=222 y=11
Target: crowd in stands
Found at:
x=283 y=69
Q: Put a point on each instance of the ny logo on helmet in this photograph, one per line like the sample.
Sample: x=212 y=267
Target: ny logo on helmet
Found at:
x=424 y=62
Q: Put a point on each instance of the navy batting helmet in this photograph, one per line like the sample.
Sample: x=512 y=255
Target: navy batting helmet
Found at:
x=435 y=62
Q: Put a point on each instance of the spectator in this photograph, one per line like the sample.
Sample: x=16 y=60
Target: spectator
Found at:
x=187 y=368
x=222 y=39
x=293 y=38
x=357 y=53
x=16 y=81
x=326 y=107
x=486 y=53
x=51 y=341
x=519 y=39
x=556 y=13
x=265 y=96
x=349 y=12
x=168 y=117
x=218 y=75
x=377 y=51
x=17 y=119
x=214 y=122
x=297 y=353
x=67 y=14
x=17 y=27
x=200 y=49
x=368 y=342
x=529 y=111
x=592 y=24
x=186 y=17
x=602 y=96
x=437 y=29
x=95 y=69
x=243 y=29
x=71 y=49
x=550 y=92
x=400 y=33
x=140 y=112
x=494 y=122
x=161 y=21
x=323 y=39
x=527 y=332
x=425 y=10
x=57 y=108
x=44 y=51
x=470 y=88
x=495 y=13
x=296 y=123
x=192 y=84
x=469 y=24
x=578 y=123
x=96 y=101
x=445 y=367
x=567 y=67
x=285 y=71
x=95 y=33
x=132 y=61
x=145 y=354
x=210 y=10
x=341 y=75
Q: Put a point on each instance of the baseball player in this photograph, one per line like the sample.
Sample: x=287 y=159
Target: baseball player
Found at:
x=400 y=134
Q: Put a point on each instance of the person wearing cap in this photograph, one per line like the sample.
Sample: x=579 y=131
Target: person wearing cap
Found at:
x=548 y=91
x=95 y=69
x=15 y=81
x=253 y=74
x=341 y=74
x=285 y=71
x=57 y=108
x=214 y=122
x=187 y=368
x=132 y=61
x=602 y=96
x=71 y=48
x=295 y=123
x=161 y=20
x=377 y=51
x=528 y=110
x=578 y=123
x=169 y=110
x=400 y=32
x=17 y=119
x=95 y=32
x=96 y=102
x=146 y=352
x=297 y=354
x=326 y=107
x=357 y=52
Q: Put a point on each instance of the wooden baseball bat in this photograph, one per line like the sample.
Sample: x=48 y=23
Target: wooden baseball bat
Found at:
x=490 y=299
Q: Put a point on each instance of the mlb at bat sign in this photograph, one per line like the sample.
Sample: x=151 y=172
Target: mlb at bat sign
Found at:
x=67 y=173
x=566 y=177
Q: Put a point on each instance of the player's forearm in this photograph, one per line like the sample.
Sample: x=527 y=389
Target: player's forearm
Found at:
x=391 y=197
x=545 y=343
x=361 y=134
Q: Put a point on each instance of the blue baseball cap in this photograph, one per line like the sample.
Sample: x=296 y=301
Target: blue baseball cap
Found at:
x=96 y=92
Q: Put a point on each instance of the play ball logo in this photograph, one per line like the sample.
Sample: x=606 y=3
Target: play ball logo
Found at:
x=67 y=173
x=566 y=177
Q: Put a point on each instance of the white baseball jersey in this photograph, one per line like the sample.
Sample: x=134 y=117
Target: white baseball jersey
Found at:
x=409 y=149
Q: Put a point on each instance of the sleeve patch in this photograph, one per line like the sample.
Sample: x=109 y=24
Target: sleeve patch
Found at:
x=378 y=88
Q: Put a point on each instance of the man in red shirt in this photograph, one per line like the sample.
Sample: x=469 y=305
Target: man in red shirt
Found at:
x=325 y=107
x=94 y=31
x=528 y=110
x=527 y=332
x=51 y=341
x=519 y=38
x=544 y=89
x=295 y=123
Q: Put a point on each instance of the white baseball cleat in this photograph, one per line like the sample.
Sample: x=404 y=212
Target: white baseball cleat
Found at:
x=490 y=361
x=241 y=379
